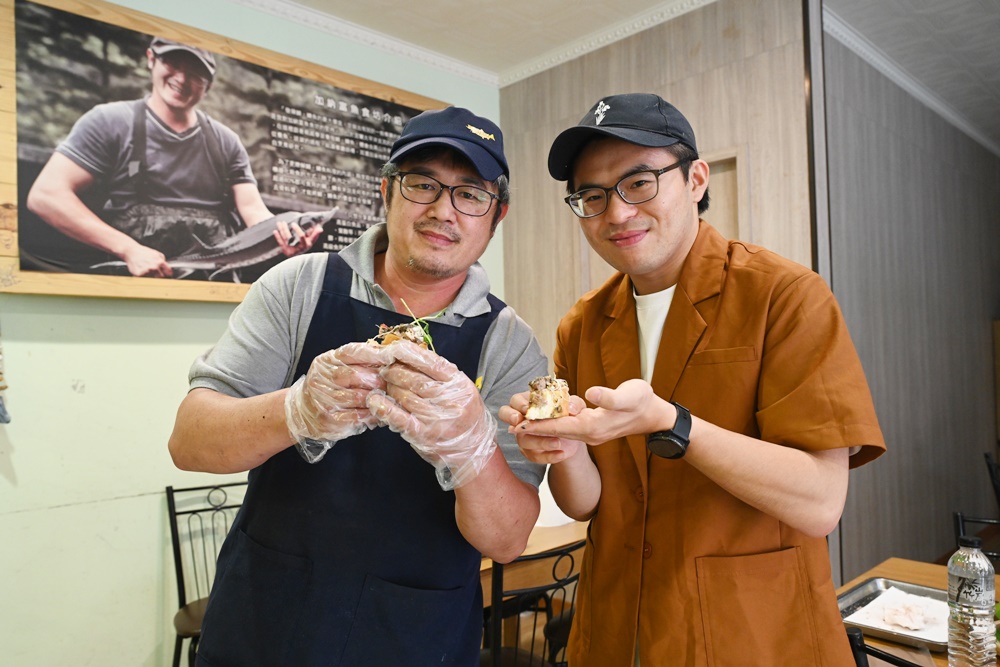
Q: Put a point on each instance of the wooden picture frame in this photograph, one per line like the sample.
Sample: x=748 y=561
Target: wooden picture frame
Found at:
x=370 y=108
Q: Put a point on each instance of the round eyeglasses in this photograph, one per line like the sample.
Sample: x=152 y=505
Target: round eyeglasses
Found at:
x=467 y=199
x=633 y=189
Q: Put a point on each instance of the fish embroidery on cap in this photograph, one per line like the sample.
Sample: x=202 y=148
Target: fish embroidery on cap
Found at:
x=482 y=134
x=601 y=109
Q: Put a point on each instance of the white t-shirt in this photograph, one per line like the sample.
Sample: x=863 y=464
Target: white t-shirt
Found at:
x=651 y=313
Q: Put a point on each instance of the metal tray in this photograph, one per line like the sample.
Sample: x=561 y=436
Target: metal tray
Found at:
x=865 y=592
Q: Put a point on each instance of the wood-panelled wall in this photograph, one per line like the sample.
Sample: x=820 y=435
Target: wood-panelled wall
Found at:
x=735 y=68
x=915 y=245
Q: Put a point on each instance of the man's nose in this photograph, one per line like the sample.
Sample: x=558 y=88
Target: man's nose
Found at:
x=618 y=210
x=443 y=208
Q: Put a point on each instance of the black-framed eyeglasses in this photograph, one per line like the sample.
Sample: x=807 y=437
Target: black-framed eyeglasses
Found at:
x=467 y=199
x=633 y=189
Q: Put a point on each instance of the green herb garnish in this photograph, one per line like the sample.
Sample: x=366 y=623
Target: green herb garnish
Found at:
x=422 y=323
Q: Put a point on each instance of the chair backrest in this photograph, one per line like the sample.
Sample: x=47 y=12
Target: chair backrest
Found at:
x=994 y=470
x=200 y=518
x=990 y=534
x=532 y=607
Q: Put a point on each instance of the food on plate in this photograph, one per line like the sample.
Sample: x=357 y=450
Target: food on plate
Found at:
x=549 y=398
x=411 y=331
x=906 y=613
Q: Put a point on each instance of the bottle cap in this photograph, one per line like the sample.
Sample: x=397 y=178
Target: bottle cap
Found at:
x=970 y=541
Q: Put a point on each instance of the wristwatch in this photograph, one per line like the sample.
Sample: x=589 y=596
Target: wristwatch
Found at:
x=672 y=444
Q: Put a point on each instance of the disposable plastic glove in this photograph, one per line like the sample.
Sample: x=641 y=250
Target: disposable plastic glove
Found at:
x=437 y=409
x=327 y=404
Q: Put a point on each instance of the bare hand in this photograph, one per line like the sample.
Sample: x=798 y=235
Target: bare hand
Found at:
x=293 y=240
x=626 y=410
x=144 y=261
x=540 y=448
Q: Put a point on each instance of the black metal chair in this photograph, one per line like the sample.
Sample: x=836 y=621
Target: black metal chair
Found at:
x=962 y=523
x=986 y=527
x=994 y=471
x=200 y=517
x=517 y=613
x=861 y=651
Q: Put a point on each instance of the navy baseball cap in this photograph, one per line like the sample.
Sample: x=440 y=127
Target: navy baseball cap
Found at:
x=160 y=46
x=638 y=118
x=475 y=137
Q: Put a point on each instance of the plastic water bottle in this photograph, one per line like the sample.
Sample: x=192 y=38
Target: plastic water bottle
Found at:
x=971 y=595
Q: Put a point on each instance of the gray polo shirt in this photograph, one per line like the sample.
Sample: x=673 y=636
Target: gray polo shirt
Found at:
x=260 y=349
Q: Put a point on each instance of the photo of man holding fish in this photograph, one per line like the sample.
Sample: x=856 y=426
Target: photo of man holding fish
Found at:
x=172 y=173
x=153 y=156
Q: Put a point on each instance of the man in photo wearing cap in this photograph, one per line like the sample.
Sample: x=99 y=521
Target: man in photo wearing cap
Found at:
x=171 y=173
x=724 y=405
x=377 y=476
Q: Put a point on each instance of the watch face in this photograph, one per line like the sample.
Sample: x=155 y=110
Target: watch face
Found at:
x=664 y=445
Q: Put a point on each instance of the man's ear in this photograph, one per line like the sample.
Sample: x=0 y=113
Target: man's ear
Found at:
x=698 y=178
x=150 y=58
x=496 y=222
x=383 y=188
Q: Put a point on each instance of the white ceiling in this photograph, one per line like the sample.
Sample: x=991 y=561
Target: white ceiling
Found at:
x=945 y=52
x=506 y=37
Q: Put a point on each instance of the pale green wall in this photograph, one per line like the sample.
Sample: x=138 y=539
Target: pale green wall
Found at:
x=94 y=385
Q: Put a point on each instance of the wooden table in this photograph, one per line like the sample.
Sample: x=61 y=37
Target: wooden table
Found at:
x=913 y=572
x=542 y=538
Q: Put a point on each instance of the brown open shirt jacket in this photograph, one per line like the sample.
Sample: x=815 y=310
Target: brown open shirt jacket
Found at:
x=756 y=344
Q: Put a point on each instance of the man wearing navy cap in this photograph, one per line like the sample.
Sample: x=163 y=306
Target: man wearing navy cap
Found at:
x=361 y=544
x=170 y=176
x=724 y=405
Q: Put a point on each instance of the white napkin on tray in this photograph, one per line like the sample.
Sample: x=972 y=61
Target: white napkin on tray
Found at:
x=935 y=615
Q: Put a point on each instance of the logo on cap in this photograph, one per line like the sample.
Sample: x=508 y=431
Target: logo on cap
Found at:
x=482 y=134
x=601 y=109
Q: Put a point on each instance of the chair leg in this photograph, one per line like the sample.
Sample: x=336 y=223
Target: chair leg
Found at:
x=192 y=651
x=177 y=650
x=857 y=641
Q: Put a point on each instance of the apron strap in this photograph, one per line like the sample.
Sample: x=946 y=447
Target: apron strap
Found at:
x=137 y=165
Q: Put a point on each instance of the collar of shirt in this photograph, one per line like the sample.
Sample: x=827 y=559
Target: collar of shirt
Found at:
x=360 y=256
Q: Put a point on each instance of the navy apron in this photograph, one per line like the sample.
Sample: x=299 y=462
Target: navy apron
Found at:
x=354 y=561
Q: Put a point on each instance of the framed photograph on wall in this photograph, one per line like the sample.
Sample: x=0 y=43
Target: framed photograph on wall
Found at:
x=154 y=160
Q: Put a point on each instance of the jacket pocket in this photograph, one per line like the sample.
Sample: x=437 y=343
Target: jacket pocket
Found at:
x=399 y=626
x=254 y=606
x=755 y=610
x=726 y=355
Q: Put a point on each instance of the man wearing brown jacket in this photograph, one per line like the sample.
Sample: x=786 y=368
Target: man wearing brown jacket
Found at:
x=725 y=404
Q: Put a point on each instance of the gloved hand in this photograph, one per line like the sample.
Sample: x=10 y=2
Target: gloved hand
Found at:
x=327 y=404
x=437 y=409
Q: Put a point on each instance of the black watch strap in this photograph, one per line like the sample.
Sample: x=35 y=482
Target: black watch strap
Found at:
x=672 y=444
x=682 y=425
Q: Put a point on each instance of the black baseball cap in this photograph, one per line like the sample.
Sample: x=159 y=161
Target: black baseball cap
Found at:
x=638 y=118
x=160 y=46
x=475 y=137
